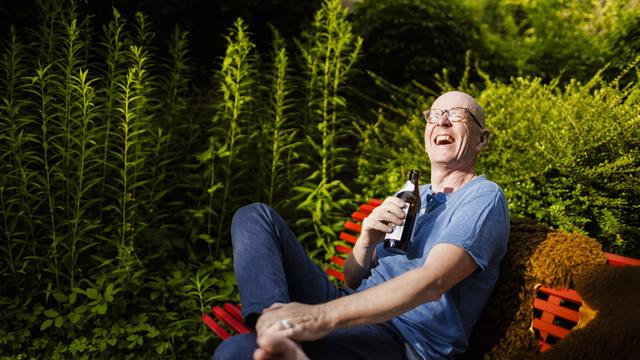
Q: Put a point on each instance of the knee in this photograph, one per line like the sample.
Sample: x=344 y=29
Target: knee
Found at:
x=249 y=216
x=236 y=347
x=249 y=213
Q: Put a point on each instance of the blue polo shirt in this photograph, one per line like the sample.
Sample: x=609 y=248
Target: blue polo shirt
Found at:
x=476 y=218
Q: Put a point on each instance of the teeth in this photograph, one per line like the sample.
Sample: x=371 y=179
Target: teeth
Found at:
x=443 y=139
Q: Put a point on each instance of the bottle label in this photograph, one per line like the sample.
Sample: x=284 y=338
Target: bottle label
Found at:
x=397 y=230
x=408 y=186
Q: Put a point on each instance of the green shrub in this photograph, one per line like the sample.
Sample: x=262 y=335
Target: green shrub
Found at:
x=414 y=39
x=623 y=35
x=569 y=155
x=552 y=38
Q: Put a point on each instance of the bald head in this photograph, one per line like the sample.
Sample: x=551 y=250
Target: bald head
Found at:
x=459 y=99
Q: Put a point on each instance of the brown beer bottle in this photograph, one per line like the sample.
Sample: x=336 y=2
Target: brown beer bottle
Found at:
x=400 y=238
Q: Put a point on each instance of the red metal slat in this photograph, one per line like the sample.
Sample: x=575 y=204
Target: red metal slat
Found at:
x=217 y=329
x=338 y=261
x=549 y=317
x=557 y=310
x=343 y=249
x=350 y=225
x=234 y=311
x=375 y=202
x=358 y=216
x=552 y=329
x=566 y=294
x=544 y=346
x=229 y=320
x=348 y=237
x=335 y=273
x=620 y=261
x=367 y=208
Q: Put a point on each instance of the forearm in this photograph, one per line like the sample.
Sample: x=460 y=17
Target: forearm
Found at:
x=446 y=265
x=383 y=302
x=358 y=263
x=374 y=227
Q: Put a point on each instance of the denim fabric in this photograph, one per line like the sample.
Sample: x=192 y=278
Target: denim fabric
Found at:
x=272 y=266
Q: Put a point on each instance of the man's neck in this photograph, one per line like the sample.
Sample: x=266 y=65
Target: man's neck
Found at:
x=449 y=181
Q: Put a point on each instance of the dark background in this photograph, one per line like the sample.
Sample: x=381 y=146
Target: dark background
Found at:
x=206 y=20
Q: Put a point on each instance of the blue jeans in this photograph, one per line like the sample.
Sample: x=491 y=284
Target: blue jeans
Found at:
x=271 y=266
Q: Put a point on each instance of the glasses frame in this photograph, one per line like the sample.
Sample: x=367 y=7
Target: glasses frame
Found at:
x=466 y=111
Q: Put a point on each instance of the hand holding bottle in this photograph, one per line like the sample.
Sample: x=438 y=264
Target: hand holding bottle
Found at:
x=396 y=217
x=382 y=220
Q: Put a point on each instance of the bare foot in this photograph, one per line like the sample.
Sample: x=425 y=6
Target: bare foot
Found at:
x=273 y=347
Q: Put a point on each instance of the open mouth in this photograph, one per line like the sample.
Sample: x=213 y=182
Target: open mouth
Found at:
x=444 y=140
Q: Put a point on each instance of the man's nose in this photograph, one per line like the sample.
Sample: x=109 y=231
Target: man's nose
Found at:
x=444 y=120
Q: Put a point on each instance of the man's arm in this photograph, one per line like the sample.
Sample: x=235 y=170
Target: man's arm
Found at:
x=445 y=266
x=358 y=264
x=374 y=227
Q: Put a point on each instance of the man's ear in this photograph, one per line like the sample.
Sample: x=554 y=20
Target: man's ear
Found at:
x=484 y=136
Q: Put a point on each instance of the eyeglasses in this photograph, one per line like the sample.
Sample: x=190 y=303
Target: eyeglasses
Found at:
x=455 y=114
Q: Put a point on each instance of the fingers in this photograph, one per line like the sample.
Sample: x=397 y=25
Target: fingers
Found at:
x=391 y=210
x=276 y=347
x=386 y=215
x=283 y=327
x=277 y=319
x=273 y=306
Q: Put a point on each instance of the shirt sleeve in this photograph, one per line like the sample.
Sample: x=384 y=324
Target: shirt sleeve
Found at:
x=480 y=226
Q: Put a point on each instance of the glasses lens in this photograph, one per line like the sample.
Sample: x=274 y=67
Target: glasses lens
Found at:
x=433 y=116
x=456 y=114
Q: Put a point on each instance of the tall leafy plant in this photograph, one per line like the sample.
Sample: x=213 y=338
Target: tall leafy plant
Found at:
x=85 y=152
x=79 y=149
x=280 y=132
x=172 y=135
x=329 y=52
x=17 y=157
x=112 y=48
x=227 y=142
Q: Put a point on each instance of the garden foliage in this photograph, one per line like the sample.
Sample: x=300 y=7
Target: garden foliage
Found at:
x=120 y=179
x=411 y=40
x=120 y=176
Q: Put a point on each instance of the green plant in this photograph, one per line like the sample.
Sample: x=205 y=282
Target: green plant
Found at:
x=279 y=131
x=392 y=143
x=224 y=157
x=411 y=40
x=16 y=184
x=581 y=161
x=329 y=51
x=545 y=38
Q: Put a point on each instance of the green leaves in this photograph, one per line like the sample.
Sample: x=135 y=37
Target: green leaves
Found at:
x=329 y=52
x=577 y=171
